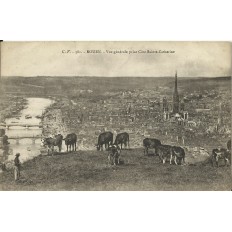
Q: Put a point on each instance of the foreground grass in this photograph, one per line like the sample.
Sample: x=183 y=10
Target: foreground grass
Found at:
x=89 y=170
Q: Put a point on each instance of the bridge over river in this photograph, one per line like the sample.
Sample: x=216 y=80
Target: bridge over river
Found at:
x=18 y=138
x=25 y=125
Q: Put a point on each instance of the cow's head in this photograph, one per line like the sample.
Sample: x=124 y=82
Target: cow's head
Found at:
x=114 y=149
x=44 y=142
x=97 y=146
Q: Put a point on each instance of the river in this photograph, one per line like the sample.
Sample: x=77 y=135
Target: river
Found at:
x=26 y=148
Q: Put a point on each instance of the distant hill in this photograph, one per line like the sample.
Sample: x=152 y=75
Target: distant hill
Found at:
x=56 y=85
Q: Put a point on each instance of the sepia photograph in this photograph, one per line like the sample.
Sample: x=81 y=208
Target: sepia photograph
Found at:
x=115 y=116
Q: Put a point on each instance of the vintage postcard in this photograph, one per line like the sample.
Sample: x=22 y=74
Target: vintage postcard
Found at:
x=115 y=116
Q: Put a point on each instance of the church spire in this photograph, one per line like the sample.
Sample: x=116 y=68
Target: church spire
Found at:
x=175 y=82
x=175 y=97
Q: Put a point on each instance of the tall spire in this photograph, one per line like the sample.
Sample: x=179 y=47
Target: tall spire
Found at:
x=175 y=97
x=176 y=83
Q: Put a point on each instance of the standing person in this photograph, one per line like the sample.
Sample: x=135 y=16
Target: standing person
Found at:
x=17 y=166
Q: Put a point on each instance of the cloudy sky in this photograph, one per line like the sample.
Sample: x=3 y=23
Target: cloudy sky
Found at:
x=191 y=59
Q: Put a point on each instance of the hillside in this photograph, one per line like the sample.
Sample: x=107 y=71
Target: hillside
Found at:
x=89 y=170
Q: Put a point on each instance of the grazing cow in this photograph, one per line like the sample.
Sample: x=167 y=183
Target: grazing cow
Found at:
x=104 y=138
x=71 y=141
x=122 y=138
x=164 y=152
x=114 y=155
x=220 y=154
x=51 y=142
x=229 y=145
x=150 y=143
x=178 y=153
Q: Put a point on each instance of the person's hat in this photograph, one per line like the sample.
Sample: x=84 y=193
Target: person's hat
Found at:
x=17 y=154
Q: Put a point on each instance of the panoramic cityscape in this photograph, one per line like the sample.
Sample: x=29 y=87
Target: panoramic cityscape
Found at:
x=189 y=115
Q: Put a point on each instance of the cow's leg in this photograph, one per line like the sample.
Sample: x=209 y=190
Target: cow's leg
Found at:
x=183 y=161
x=161 y=160
x=109 y=159
x=213 y=161
x=171 y=159
x=162 y=157
x=145 y=150
x=175 y=160
x=115 y=158
x=118 y=156
x=75 y=146
x=52 y=148
x=227 y=162
x=217 y=162
x=118 y=160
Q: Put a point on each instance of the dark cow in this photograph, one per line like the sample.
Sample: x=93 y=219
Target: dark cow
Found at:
x=71 y=141
x=122 y=138
x=51 y=142
x=114 y=155
x=220 y=154
x=104 y=138
x=229 y=145
x=150 y=143
x=178 y=154
x=164 y=152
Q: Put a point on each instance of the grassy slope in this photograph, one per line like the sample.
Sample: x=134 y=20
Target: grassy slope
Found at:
x=90 y=171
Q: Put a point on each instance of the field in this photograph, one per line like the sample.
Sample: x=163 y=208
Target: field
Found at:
x=89 y=170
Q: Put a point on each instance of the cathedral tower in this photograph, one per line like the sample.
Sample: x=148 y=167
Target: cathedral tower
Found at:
x=175 y=97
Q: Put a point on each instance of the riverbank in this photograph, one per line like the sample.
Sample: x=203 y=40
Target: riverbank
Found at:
x=10 y=106
x=52 y=120
x=89 y=170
